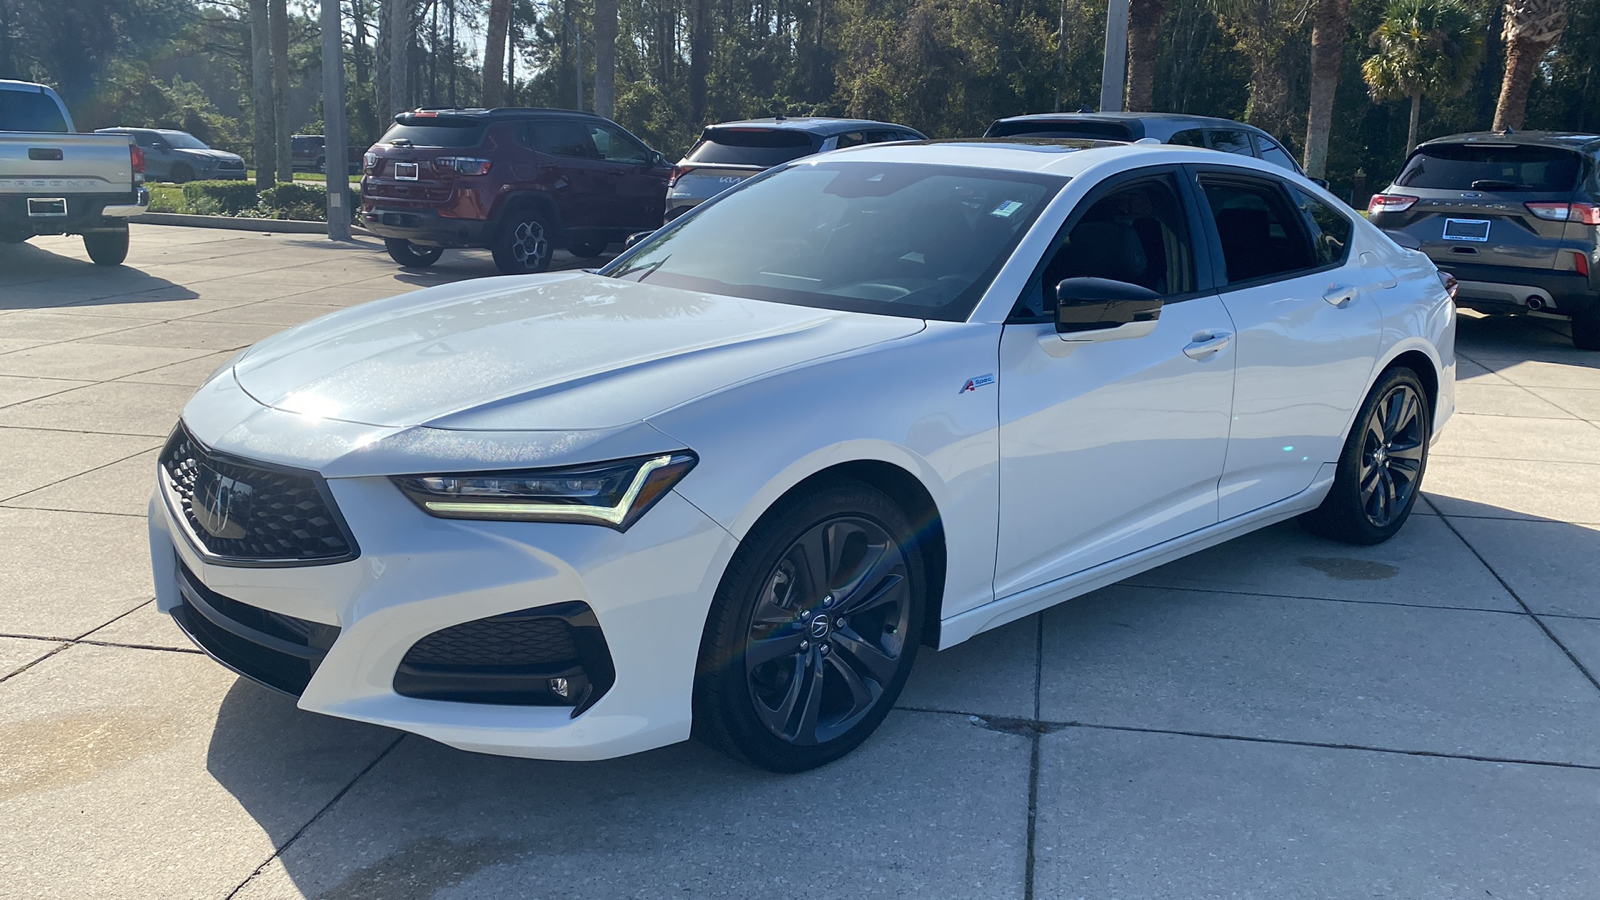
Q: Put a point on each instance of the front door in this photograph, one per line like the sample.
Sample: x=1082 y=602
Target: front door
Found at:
x=1308 y=332
x=1113 y=441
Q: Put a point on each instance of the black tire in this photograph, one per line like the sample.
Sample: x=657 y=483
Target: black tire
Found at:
x=107 y=248
x=1586 y=330
x=588 y=249
x=804 y=652
x=181 y=173
x=410 y=255
x=1380 y=472
x=523 y=245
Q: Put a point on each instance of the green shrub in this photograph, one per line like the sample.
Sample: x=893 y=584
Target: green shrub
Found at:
x=228 y=198
x=294 y=201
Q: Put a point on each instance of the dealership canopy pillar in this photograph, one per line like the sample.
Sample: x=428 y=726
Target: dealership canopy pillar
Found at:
x=335 y=139
x=1114 y=72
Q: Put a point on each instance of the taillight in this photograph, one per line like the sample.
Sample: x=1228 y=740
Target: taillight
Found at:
x=369 y=162
x=1386 y=203
x=1580 y=261
x=461 y=165
x=678 y=171
x=1584 y=213
x=136 y=156
x=1449 y=282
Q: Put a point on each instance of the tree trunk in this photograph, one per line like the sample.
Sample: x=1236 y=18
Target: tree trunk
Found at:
x=1144 y=44
x=494 y=53
x=1522 y=58
x=1416 y=118
x=397 y=25
x=278 y=10
x=262 y=147
x=699 y=59
x=1327 y=58
x=605 y=57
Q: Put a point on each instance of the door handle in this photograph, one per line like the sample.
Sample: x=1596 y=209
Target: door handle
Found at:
x=1205 y=344
x=1340 y=297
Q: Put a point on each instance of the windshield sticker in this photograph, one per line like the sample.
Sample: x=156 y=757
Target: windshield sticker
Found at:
x=1006 y=209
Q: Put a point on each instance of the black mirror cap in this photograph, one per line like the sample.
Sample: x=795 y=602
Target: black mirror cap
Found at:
x=1320 y=182
x=1403 y=239
x=633 y=240
x=1094 y=304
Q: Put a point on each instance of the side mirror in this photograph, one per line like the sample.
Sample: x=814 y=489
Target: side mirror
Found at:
x=633 y=240
x=1320 y=182
x=659 y=159
x=163 y=146
x=1100 y=304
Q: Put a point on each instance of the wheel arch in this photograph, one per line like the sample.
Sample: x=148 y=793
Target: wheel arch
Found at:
x=1420 y=358
x=521 y=200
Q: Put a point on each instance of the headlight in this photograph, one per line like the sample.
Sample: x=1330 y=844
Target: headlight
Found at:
x=614 y=494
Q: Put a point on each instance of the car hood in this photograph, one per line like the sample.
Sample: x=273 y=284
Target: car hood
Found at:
x=541 y=352
x=218 y=155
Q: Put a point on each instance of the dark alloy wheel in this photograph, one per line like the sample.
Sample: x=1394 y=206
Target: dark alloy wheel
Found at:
x=523 y=245
x=410 y=255
x=1586 y=330
x=587 y=249
x=107 y=248
x=813 y=631
x=1380 y=471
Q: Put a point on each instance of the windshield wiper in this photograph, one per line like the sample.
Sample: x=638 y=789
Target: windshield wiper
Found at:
x=1494 y=184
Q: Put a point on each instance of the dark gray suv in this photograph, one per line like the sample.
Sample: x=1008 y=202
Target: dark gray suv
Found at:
x=1512 y=216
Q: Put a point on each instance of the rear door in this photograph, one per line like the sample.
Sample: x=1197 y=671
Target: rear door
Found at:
x=1488 y=204
x=639 y=186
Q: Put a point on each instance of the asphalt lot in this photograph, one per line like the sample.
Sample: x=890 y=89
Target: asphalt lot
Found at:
x=1277 y=717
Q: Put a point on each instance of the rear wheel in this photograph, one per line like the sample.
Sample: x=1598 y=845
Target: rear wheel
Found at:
x=410 y=255
x=587 y=249
x=107 y=248
x=1586 y=330
x=812 y=631
x=1380 y=471
x=523 y=245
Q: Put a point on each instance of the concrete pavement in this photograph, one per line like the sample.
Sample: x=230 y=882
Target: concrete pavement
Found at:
x=1276 y=717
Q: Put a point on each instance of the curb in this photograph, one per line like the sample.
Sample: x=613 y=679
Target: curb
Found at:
x=234 y=223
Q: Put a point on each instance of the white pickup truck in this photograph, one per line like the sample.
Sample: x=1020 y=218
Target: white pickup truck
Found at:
x=53 y=181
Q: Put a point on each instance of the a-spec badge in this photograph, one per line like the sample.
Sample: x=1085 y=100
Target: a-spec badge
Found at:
x=975 y=383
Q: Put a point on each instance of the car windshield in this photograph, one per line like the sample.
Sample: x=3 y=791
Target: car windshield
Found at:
x=751 y=146
x=439 y=133
x=896 y=239
x=1479 y=167
x=183 y=141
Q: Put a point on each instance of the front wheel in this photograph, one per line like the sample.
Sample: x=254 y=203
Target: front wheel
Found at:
x=107 y=248
x=1586 y=330
x=812 y=631
x=1380 y=471
x=410 y=255
x=523 y=245
x=587 y=249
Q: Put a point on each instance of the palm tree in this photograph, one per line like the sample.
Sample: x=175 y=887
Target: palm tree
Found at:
x=1532 y=28
x=1329 y=23
x=1425 y=47
x=1144 y=33
x=494 y=53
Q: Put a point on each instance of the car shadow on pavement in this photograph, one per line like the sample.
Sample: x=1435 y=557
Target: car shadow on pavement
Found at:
x=32 y=278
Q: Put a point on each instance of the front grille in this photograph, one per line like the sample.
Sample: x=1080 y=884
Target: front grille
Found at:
x=279 y=651
x=518 y=658
x=231 y=164
x=245 y=513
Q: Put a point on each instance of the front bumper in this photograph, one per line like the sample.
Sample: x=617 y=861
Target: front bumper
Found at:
x=648 y=588
x=425 y=227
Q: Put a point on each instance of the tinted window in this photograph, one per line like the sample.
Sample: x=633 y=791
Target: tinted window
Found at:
x=1274 y=154
x=1329 y=228
x=616 y=145
x=1137 y=234
x=564 y=137
x=1260 y=237
x=304 y=144
x=30 y=111
x=886 y=238
x=1230 y=141
x=1475 y=167
x=183 y=140
x=1113 y=131
x=435 y=134
x=752 y=146
x=1194 y=137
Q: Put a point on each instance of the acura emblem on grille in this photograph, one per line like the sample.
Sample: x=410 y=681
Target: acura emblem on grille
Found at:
x=221 y=504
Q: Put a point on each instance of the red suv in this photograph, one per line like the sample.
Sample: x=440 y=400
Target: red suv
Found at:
x=521 y=182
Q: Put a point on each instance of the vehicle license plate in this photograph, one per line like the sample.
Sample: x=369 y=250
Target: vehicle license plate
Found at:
x=405 y=171
x=1476 y=230
x=46 y=207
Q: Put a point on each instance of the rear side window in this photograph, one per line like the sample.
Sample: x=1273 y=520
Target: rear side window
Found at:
x=1230 y=141
x=435 y=134
x=1194 y=137
x=30 y=111
x=1094 y=131
x=1478 y=167
x=1259 y=232
x=1329 y=228
x=765 y=147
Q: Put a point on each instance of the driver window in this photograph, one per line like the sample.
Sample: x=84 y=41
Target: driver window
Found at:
x=614 y=146
x=1137 y=234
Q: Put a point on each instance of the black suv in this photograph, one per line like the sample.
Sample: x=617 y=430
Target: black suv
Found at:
x=1512 y=216
x=521 y=182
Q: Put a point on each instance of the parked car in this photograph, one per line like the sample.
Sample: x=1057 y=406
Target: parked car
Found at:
x=893 y=396
x=179 y=156
x=521 y=182
x=728 y=153
x=306 y=152
x=53 y=181
x=1225 y=135
x=1514 y=217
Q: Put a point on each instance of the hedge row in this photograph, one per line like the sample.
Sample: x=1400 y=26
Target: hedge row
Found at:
x=290 y=200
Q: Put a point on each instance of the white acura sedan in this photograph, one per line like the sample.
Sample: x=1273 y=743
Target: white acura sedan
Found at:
x=870 y=401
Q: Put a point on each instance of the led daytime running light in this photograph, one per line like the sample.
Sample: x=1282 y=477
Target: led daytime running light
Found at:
x=646 y=485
